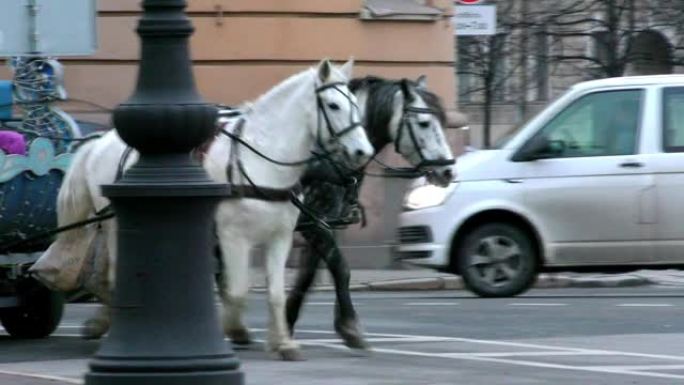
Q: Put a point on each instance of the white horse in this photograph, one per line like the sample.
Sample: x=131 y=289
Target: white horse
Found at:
x=312 y=109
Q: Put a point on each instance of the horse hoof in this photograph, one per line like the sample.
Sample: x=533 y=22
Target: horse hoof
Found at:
x=239 y=337
x=350 y=334
x=93 y=329
x=291 y=355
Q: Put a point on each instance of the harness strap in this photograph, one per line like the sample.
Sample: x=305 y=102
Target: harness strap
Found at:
x=250 y=190
x=264 y=193
x=122 y=163
x=315 y=219
x=405 y=125
x=101 y=215
x=234 y=148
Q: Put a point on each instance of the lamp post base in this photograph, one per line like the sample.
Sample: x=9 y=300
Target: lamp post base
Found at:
x=150 y=378
x=165 y=328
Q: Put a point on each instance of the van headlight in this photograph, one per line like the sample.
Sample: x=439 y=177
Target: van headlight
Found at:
x=422 y=197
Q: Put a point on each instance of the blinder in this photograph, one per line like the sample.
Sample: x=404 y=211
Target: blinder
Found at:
x=406 y=125
x=335 y=136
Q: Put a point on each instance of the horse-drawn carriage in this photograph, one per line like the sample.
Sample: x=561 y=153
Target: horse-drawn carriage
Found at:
x=35 y=151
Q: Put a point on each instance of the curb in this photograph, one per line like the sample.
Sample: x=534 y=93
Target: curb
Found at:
x=544 y=281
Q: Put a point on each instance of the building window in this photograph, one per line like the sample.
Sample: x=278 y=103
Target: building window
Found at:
x=498 y=61
x=466 y=49
x=482 y=59
x=399 y=10
x=541 y=68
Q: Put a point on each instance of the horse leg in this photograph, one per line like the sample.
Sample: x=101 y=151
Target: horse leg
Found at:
x=346 y=321
x=305 y=277
x=96 y=326
x=278 y=337
x=235 y=285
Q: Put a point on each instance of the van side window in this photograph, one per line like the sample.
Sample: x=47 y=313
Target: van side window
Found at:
x=673 y=119
x=599 y=124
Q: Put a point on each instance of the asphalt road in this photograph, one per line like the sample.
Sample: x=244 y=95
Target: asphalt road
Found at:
x=559 y=336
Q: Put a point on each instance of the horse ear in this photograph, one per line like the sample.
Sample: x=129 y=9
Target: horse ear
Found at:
x=406 y=90
x=422 y=82
x=324 y=70
x=348 y=68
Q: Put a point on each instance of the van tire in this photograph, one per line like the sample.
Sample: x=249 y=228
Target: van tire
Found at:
x=497 y=260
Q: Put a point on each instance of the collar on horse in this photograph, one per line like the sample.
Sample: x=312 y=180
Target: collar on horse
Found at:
x=251 y=190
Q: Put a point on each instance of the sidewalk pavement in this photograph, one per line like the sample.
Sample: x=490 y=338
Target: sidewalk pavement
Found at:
x=8 y=378
x=424 y=279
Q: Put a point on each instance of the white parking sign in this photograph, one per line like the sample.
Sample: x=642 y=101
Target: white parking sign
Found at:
x=473 y=20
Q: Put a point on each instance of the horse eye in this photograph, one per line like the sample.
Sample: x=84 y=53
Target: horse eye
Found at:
x=334 y=106
x=424 y=124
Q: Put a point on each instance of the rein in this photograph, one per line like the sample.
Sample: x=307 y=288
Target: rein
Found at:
x=251 y=190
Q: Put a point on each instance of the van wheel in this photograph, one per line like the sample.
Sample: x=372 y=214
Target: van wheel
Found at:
x=497 y=260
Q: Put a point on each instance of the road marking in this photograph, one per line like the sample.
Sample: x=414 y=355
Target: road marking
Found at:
x=505 y=361
x=644 y=305
x=506 y=343
x=431 y=304
x=642 y=367
x=636 y=370
x=536 y=304
x=383 y=339
x=527 y=354
x=42 y=377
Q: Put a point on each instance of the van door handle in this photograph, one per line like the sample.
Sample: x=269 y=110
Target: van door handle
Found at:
x=631 y=164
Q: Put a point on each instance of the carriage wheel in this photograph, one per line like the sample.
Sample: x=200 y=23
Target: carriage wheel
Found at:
x=39 y=312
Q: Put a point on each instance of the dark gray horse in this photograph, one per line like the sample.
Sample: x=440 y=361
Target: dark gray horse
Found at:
x=402 y=112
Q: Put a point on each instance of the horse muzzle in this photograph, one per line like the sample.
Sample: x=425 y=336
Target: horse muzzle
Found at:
x=441 y=176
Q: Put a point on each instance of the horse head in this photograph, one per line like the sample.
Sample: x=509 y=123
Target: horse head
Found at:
x=417 y=130
x=339 y=128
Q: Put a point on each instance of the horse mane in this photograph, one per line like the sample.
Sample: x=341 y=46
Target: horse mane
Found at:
x=434 y=102
x=283 y=85
x=379 y=104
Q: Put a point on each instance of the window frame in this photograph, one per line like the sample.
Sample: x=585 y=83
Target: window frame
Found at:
x=664 y=120
x=637 y=137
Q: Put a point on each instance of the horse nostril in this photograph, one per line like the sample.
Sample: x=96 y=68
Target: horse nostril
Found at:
x=360 y=153
x=448 y=173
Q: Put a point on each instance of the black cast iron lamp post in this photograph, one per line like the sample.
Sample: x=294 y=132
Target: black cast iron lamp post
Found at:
x=165 y=327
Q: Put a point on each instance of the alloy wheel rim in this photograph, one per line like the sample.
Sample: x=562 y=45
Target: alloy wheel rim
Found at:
x=496 y=260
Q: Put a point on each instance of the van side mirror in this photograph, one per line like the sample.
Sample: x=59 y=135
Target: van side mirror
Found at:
x=540 y=147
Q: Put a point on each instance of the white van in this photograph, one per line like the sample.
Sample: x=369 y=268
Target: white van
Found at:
x=595 y=182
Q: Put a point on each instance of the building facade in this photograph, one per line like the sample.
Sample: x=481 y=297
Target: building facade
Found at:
x=542 y=49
